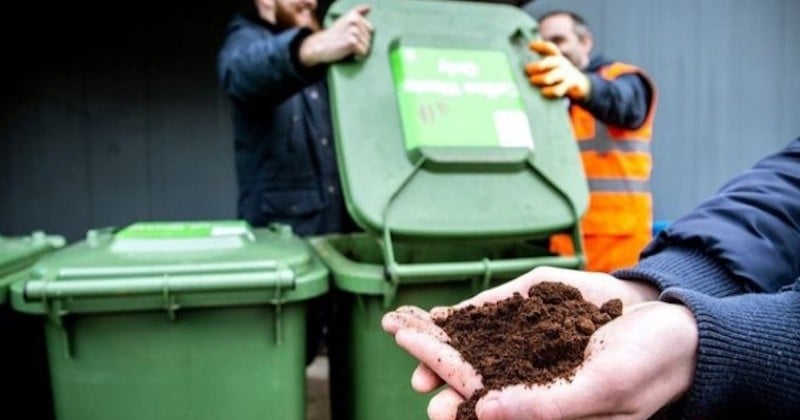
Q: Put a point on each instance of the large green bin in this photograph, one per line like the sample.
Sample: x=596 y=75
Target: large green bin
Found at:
x=457 y=169
x=170 y=320
x=23 y=353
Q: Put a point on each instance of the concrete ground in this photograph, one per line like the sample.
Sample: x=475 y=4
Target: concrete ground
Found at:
x=317 y=395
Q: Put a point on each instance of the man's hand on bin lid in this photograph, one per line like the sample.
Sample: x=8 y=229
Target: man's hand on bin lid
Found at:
x=555 y=75
x=349 y=35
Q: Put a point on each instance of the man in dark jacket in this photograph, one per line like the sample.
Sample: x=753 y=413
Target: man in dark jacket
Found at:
x=711 y=327
x=272 y=66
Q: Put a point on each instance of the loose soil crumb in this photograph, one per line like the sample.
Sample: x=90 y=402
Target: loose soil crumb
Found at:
x=532 y=341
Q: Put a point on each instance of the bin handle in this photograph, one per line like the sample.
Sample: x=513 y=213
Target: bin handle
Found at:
x=161 y=270
x=422 y=273
x=158 y=285
x=415 y=273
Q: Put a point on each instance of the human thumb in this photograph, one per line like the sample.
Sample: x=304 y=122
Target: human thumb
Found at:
x=489 y=409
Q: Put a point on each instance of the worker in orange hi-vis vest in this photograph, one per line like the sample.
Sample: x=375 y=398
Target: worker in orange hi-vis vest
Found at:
x=611 y=106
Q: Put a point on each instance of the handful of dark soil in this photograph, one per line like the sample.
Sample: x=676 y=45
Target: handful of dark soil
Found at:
x=533 y=340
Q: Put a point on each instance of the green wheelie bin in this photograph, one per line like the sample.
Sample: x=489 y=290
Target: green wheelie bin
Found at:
x=23 y=358
x=458 y=171
x=176 y=320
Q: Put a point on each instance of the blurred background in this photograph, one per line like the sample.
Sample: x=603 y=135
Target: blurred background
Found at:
x=111 y=112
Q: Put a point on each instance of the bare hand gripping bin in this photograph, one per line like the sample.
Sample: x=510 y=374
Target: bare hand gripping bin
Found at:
x=457 y=169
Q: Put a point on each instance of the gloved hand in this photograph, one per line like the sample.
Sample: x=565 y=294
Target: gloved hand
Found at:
x=555 y=75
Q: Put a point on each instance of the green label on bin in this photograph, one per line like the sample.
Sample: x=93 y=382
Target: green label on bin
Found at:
x=164 y=230
x=458 y=98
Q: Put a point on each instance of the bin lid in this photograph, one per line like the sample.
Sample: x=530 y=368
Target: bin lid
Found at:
x=439 y=133
x=150 y=265
x=17 y=253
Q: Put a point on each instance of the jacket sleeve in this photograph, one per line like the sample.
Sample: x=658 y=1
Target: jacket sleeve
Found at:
x=750 y=228
x=254 y=64
x=624 y=101
x=735 y=261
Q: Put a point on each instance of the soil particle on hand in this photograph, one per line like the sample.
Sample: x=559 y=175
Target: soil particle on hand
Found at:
x=531 y=340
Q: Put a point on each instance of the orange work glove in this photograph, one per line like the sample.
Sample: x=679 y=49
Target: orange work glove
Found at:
x=555 y=75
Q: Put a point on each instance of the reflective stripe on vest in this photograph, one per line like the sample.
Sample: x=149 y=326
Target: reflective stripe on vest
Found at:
x=616 y=160
x=604 y=144
x=618 y=185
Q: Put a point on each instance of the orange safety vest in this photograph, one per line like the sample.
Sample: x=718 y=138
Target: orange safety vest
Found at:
x=617 y=162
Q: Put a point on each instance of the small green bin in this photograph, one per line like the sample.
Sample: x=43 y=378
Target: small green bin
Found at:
x=458 y=170
x=171 y=320
x=23 y=352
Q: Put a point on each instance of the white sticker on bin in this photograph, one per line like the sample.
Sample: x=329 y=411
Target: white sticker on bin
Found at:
x=513 y=129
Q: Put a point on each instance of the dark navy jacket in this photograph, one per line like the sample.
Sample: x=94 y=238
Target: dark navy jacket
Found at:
x=623 y=102
x=735 y=262
x=285 y=157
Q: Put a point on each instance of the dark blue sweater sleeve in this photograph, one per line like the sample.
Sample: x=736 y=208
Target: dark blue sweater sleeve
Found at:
x=256 y=64
x=735 y=262
x=624 y=101
x=748 y=361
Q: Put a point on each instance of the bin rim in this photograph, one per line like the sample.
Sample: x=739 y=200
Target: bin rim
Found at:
x=275 y=268
x=384 y=279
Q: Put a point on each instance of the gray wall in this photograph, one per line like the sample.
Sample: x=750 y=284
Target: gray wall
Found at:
x=110 y=120
x=726 y=71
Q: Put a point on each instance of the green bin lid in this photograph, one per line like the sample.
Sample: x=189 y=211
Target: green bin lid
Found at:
x=440 y=135
x=17 y=253
x=169 y=265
